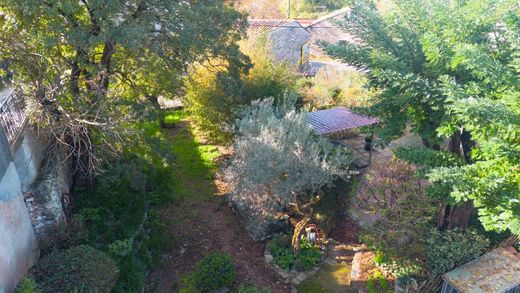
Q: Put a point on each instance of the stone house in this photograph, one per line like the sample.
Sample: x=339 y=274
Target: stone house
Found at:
x=32 y=186
x=295 y=41
x=287 y=38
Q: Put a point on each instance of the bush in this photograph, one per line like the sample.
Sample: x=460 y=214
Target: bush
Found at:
x=377 y=283
x=280 y=248
x=335 y=87
x=279 y=161
x=81 y=268
x=248 y=289
x=215 y=99
x=448 y=249
x=213 y=272
x=406 y=214
x=27 y=285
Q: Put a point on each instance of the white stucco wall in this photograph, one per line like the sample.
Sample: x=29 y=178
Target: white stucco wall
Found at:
x=18 y=247
x=18 y=244
x=28 y=157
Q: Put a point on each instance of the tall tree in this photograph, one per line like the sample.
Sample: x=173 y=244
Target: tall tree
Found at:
x=449 y=69
x=84 y=65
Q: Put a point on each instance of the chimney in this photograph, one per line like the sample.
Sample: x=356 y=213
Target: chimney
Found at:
x=288 y=9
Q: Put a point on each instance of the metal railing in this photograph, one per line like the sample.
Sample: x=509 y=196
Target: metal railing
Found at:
x=12 y=115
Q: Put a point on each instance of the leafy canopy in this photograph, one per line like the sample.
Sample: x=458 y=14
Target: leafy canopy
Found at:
x=279 y=160
x=85 y=65
x=447 y=68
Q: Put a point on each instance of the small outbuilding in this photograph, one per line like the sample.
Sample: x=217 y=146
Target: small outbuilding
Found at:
x=340 y=119
x=497 y=271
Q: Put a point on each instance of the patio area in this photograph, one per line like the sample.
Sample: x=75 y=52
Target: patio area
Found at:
x=341 y=126
x=356 y=143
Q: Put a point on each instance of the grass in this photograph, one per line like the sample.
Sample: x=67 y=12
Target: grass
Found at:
x=161 y=168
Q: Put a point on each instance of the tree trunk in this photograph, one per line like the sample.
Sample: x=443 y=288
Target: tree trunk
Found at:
x=457 y=216
x=295 y=243
x=460 y=215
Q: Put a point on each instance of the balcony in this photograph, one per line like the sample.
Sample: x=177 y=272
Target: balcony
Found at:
x=12 y=114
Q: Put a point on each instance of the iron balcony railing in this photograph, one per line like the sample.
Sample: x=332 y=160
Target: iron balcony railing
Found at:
x=12 y=115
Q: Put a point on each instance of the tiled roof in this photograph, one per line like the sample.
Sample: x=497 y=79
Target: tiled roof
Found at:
x=258 y=26
x=337 y=119
x=495 y=271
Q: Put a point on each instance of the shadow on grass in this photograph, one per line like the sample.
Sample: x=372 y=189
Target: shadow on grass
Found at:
x=123 y=214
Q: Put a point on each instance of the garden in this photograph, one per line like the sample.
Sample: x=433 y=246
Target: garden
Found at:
x=236 y=192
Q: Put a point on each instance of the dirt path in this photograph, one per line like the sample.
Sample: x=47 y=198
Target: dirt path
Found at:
x=201 y=222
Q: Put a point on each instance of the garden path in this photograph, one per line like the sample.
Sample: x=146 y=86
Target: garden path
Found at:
x=201 y=221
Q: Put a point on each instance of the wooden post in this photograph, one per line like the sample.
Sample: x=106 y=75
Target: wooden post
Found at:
x=371 y=146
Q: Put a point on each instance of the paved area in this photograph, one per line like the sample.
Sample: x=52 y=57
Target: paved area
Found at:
x=356 y=143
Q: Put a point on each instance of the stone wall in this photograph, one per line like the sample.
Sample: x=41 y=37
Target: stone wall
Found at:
x=48 y=197
x=34 y=188
x=288 y=42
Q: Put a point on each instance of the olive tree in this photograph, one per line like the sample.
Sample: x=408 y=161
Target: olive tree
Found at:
x=280 y=166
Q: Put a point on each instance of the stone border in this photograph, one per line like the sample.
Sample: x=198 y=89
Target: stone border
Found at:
x=293 y=276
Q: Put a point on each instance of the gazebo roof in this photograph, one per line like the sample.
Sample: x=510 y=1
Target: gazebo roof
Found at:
x=495 y=271
x=336 y=120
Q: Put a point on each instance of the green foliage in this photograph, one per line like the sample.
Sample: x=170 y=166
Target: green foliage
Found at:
x=81 y=268
x=377 y=283
x=446 y=250
x=88 y=67
x=121 y=248
x=279 y=160
x=312 y=8
x=449 y=68
x=307 y=258
x=213 y=272
x=27 y=285
x=428 y=158
x=335 y=87
x=280 y=248
x=244 y=289
x=119 y=215
x=216 y=96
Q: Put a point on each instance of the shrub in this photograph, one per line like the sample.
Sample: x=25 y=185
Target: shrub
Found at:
x=80 y=268
x=244 y=289
x=377 y=283
x=27 y=285
x=215 y=98
x=213 y=272
x=335 y=87
x=405 y=214
x=280 y=248
x=279 y=161
x=428 y=158
x=448 y=249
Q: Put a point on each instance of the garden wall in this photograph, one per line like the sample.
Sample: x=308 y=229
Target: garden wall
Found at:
x=31 y=196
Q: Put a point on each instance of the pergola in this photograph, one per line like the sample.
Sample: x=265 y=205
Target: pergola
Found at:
x=339 y=119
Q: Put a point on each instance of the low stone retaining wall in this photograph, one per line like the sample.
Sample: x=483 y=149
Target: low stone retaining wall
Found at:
x=293 y=276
